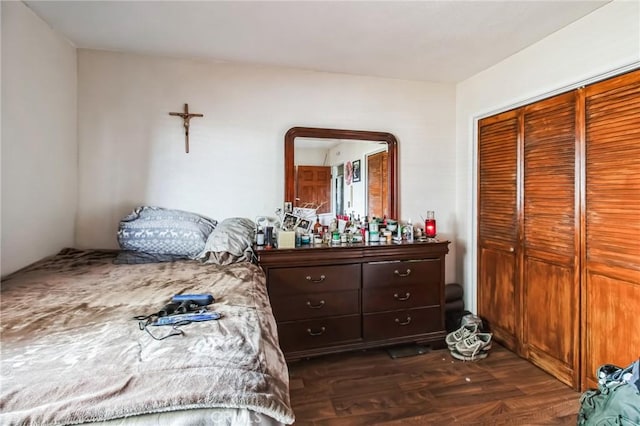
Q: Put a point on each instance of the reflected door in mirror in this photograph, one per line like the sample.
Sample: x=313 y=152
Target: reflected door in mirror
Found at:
x=313 y=186
x=377 y=178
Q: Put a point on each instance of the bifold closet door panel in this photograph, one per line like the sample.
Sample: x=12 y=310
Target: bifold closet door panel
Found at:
x=497 y=294
x=498 y=226
x=611 y=262
x=551 y=238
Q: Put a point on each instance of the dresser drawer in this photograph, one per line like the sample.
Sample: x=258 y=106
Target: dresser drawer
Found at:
x=406 y=322
x=376 y=299
x=314 y=279
x=315 y=305
x=405 y=273
x=300 y=335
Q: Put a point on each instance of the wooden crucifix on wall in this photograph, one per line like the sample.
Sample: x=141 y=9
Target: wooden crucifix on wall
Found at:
x=186 y=116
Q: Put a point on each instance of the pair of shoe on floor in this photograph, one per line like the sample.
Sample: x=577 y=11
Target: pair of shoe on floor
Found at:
x=468 y=344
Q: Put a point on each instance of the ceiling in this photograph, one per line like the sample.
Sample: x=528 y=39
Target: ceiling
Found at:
x=441 y=41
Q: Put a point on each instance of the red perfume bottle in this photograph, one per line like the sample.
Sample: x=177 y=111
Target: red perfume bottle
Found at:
x=430 y=225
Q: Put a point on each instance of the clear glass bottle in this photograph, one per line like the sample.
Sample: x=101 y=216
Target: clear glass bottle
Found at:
x=409 y=231
x=260 y=236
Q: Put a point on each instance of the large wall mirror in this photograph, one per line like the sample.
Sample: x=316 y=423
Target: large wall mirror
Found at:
x=342 y=172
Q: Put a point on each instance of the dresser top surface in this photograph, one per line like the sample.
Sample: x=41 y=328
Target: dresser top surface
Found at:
x=370 y=245
x=351 y=253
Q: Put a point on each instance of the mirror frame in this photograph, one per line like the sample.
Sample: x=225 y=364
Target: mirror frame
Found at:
x=315 y=132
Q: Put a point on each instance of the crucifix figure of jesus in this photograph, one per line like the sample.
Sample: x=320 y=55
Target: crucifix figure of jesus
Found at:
x=186 y=116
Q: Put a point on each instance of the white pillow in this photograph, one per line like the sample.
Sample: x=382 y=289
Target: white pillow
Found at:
x=231 y=241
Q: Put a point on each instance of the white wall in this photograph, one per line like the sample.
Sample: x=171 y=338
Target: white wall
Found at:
x=604 y=42
x=132 y=151
x=39 y=144
x=310 y=156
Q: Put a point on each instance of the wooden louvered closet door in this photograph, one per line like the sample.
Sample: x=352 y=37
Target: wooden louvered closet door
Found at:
x=550 y=279
x=559 y=229
x=611 y=275
x=498 y=226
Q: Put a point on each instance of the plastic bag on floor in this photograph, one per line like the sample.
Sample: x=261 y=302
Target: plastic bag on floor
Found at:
x=617 y=399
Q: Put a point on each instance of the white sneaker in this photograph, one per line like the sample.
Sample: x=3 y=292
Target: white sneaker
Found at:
x=476 y=357
x=473 y=347
x=460 y=334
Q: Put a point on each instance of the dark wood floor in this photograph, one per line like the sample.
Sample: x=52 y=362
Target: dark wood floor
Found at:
x=366 y=388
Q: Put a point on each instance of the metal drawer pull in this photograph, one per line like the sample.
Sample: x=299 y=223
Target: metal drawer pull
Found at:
x=406 y=274
x=404 y=323
x=316 y=333
x=322 y=278
x=318 y=306
x=407 y=295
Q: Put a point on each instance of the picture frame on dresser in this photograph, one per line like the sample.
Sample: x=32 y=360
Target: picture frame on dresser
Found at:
x=304 y=225
x=290 y=222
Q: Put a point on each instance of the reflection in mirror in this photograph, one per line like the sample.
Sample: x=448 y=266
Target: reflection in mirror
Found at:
x=341 y=177
x=341 y=172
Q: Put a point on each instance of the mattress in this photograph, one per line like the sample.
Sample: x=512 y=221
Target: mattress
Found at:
x=72 y=352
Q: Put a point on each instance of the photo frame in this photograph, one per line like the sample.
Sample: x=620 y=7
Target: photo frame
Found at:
x=304 y=224
x=288 y=207
x=290 y=222
x=356 y=171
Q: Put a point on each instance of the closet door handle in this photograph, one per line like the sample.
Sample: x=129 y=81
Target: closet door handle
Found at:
x=511 y=249
x=313 y=280
x=406 y=274
x=406 y=296
x=408 y=320
x=318 y=306
x=316 y=333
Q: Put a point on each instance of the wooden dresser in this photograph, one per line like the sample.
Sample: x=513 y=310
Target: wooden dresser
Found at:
x=332 y=299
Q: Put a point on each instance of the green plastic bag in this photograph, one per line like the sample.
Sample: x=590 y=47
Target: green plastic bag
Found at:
x=615 y=402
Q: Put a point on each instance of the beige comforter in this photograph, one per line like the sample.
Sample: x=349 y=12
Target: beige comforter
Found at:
x=71 y=352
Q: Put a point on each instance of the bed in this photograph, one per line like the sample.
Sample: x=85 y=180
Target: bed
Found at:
x=73 y=354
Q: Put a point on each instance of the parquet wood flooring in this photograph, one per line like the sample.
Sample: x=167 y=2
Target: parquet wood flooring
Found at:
x=369 y=387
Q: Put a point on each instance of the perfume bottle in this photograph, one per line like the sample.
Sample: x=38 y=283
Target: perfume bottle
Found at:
x=317 y=228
